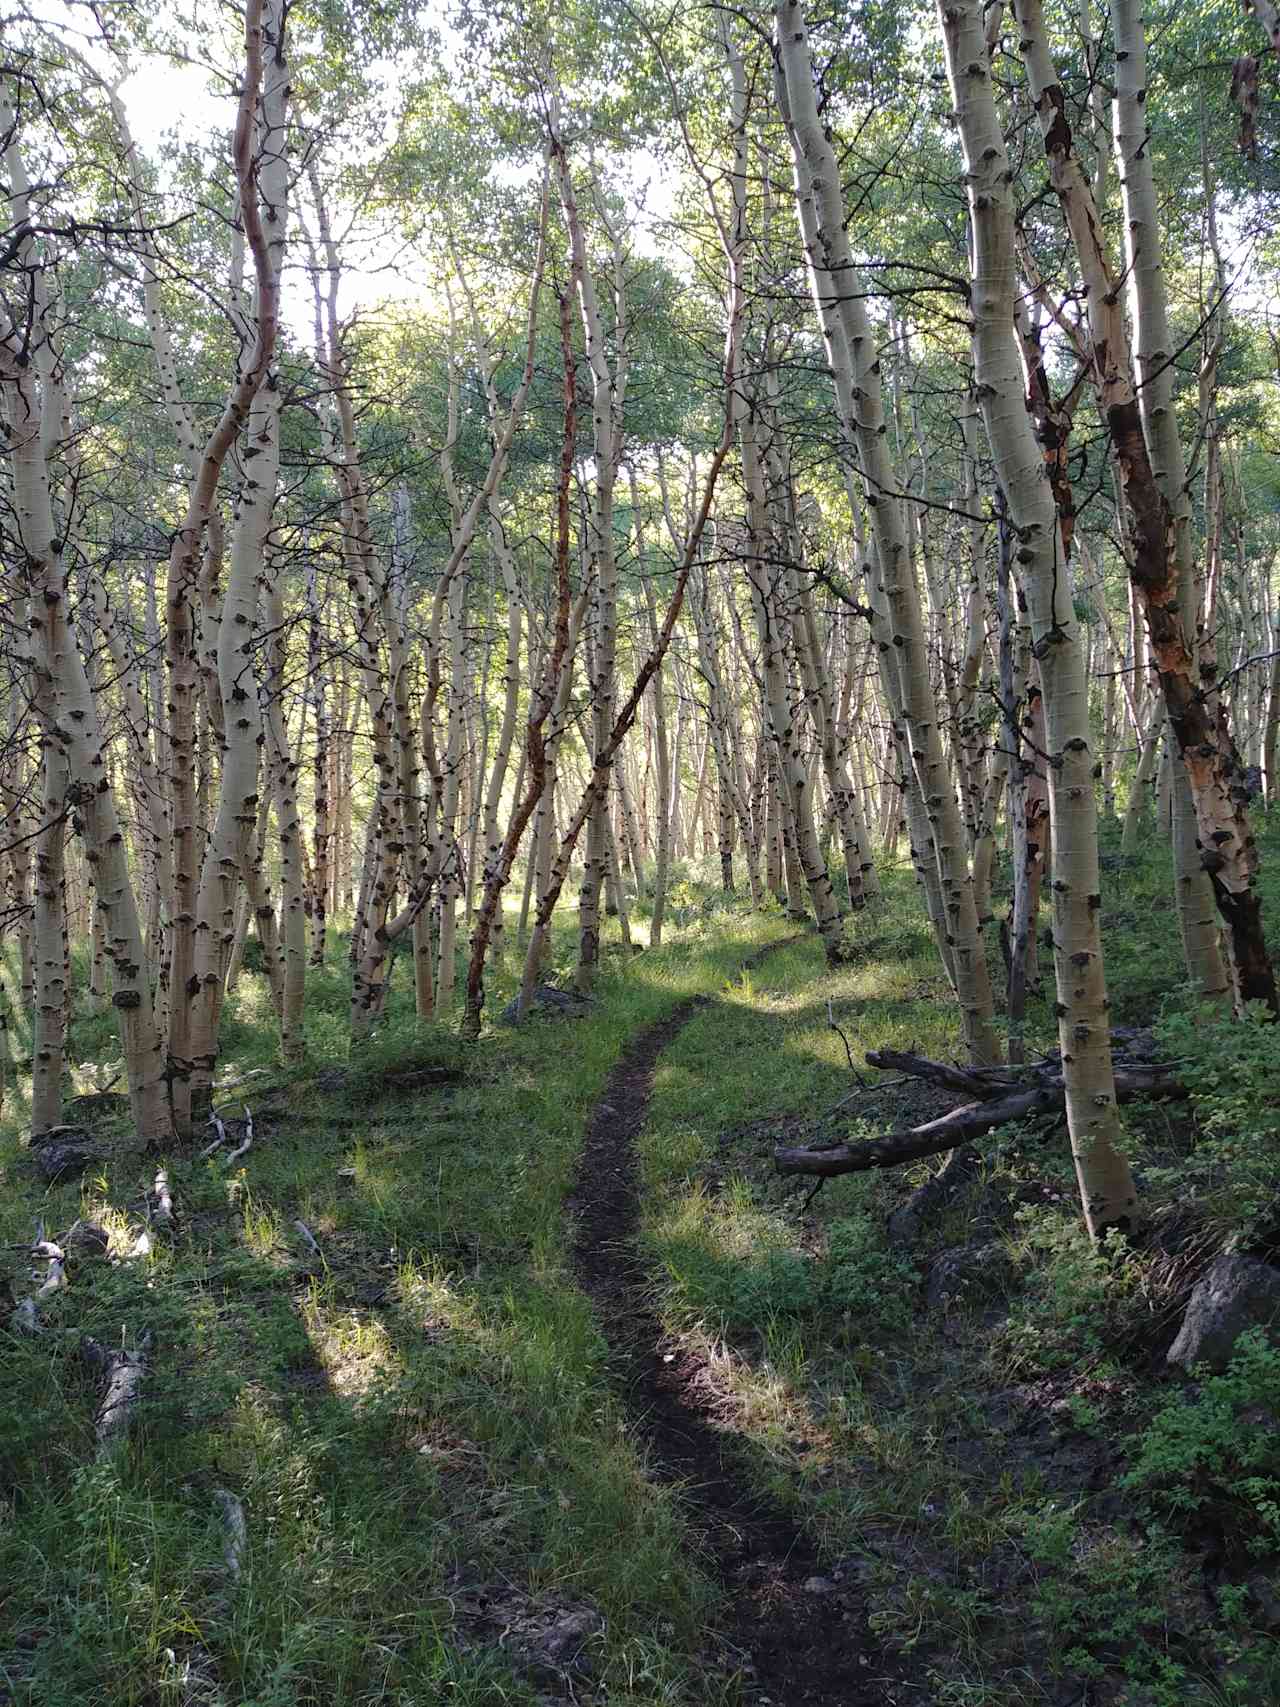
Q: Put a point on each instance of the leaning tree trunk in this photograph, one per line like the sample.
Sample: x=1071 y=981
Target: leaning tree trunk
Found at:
x=1228 y=849
x=1153 y=358
x=1106 y=1185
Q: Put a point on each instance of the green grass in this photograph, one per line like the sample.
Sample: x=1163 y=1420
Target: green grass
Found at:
x=967 y=1461
x=427 y=1413
x=428 y=1407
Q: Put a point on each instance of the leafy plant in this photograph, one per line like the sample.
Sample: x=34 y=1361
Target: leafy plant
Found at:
x=862 y=1277
x=1104 y=1595
x=1219 y=1451
x=1078 y=1299
x=1232 y=1069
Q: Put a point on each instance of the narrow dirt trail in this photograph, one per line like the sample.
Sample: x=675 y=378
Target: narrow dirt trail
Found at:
x=794 y=1646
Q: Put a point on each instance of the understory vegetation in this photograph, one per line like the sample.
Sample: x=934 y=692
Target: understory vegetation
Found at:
x=639 y=836
x=421 y=1424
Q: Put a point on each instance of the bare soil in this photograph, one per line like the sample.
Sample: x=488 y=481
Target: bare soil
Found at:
x=794 y=1633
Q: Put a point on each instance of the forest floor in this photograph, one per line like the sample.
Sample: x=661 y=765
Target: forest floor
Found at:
x=576 y=1401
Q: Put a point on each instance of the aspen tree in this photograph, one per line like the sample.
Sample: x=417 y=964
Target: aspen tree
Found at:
x=318 y=685
x=77 y=727
x=858 y=864
x=608 y=394
x=733 y=243
x=545 y=696
x=1154 y=374
x=663 y=802
x=282 y=774
x=790 y=762
x=504 y=558
x=1106 y=1185
x=154 y=827
x=202 y=931
x=51 y=989
x=1227 y=848
x=818 y=184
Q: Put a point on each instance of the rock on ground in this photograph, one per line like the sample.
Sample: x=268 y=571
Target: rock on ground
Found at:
x=1236 y=1293
x=63 y=1153
x=552 y=1003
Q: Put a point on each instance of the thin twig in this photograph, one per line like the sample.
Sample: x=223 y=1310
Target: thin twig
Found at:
x=831 y=1021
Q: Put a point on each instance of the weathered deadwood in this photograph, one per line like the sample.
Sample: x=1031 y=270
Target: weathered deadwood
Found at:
x=245 y=1143
x=962 y=1125
x=26 y=1315
x=309 y=1240
x=216 y=1122
x=121 y=1374
x=942 y=1073
x=231 y=1512
x=162 y=1206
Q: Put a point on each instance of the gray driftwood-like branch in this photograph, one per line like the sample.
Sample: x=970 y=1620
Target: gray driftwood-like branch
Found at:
x=998 y=1100
x=121 y=1374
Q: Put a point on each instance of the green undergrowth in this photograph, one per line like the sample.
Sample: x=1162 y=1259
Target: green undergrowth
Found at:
x=421 y=1424
x=1036 y=1509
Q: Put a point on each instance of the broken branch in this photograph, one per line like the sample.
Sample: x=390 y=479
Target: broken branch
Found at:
x=964 y=1124
x=122 y=1374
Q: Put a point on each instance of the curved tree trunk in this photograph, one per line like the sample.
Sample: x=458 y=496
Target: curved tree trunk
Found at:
x=1228 y=851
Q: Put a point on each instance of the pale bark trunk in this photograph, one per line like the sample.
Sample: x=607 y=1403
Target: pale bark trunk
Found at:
x=1106 y=1186
x=806 y=866
x=322 y=831
x=77 y=728
x=662 y=751
x=1228 y=850
x=204 y=880
x=282 y=769
x=608 y=391
x=1153 y=359
x=546 y=696
x=861 y=410
x=49 y=1026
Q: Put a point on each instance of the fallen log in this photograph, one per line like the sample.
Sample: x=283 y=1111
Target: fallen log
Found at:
x=962 y=1125
x=26 y=1314
x=216 y=1122
x=121 y=1374
x=245 y=1143
x=231 y=1513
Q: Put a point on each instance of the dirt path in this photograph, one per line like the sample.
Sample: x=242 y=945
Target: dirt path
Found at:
x=795 y=1645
